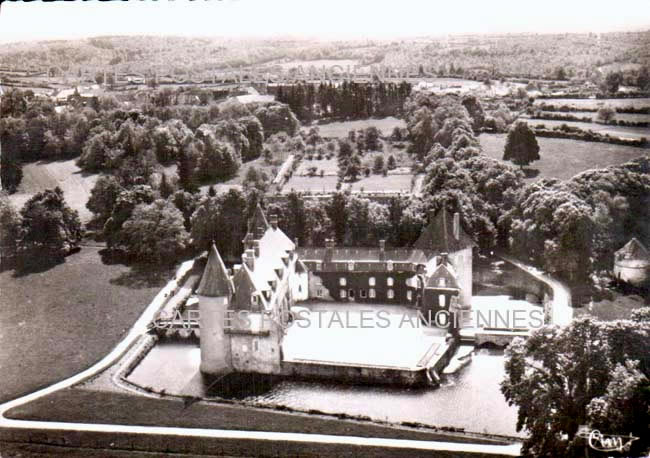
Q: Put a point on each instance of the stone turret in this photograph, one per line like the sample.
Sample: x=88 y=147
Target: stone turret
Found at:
x=215 y=293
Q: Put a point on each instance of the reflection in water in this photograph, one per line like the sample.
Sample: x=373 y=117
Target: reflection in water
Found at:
x=468 y=399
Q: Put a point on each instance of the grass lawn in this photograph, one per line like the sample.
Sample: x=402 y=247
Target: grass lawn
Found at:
x=341 y=129
x=39 y=176
x=378 y=183
x=562 y=158
x=58 y=322
x=76 y=405
x=619 y=308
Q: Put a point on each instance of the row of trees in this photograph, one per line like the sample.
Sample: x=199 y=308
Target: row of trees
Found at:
x=211 y=141
x=347 y=100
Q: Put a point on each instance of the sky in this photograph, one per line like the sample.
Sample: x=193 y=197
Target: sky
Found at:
x=324 y=19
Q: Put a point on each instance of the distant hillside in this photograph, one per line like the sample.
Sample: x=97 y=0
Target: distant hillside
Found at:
x=532 y=55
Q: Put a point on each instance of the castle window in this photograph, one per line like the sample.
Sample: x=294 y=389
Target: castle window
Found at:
x=319 y=292
x=371 y=293
x=363 y=293
x=409 y=295
x=342 y=281
x=390 y=294
x=389 y=281
x=350 y=265
x=371 y=281
x=344 y=294
x=389 y=265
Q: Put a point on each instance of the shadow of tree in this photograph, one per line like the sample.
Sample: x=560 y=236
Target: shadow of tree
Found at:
x=144 y=276
x=530 y=173
x=34 y=265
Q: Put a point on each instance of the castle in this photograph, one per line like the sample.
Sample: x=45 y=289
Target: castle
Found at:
x=244 y=316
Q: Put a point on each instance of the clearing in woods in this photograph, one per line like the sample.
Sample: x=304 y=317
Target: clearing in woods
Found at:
x=75 y=184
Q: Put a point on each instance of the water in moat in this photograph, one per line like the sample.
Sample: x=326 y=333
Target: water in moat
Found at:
x=468 y=399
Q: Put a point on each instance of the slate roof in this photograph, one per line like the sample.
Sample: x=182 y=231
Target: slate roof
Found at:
x=415 y=256
x=215 y=281
x=258 y=224
x=633 y=250
x=438 y=236
x=446 y=272
x=269 y=268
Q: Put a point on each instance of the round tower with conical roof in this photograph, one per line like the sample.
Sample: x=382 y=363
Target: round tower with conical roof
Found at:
x=215 y=292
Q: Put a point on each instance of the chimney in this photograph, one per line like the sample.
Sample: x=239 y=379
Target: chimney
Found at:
x=248 y=241
x=256 y=248
x=329 y=250
x=274 y=222
x=456 y=226
x=249 y=259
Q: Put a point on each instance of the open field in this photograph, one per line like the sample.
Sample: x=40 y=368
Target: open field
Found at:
x=562 y=158
x=595 y=104
x=316 y=184
x=593 y=115
x=341 y=129
x=39 y=176
x=327 y=184
x=56 y=323
x=614 y=131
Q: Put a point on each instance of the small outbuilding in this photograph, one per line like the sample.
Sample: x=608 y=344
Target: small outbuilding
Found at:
x=632 y=264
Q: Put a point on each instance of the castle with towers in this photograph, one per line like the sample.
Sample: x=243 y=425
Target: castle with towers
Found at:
x=245 y=313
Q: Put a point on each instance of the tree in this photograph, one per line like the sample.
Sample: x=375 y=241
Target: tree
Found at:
x=521 y=145
x=10 y=224
x=391 y=164
x=103 y=197
x=587 y=373
x=378 y=165
x=127 y=200
x=49 y=227
x=643 y=78
x=336 y=210
x=155 y=233
x=612 y=82
x=606 y=114
x=186 y=179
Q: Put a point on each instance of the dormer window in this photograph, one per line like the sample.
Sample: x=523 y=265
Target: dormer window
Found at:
x=255 y=299
x=389 y=265
x=351 y=265
x=442 y=283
